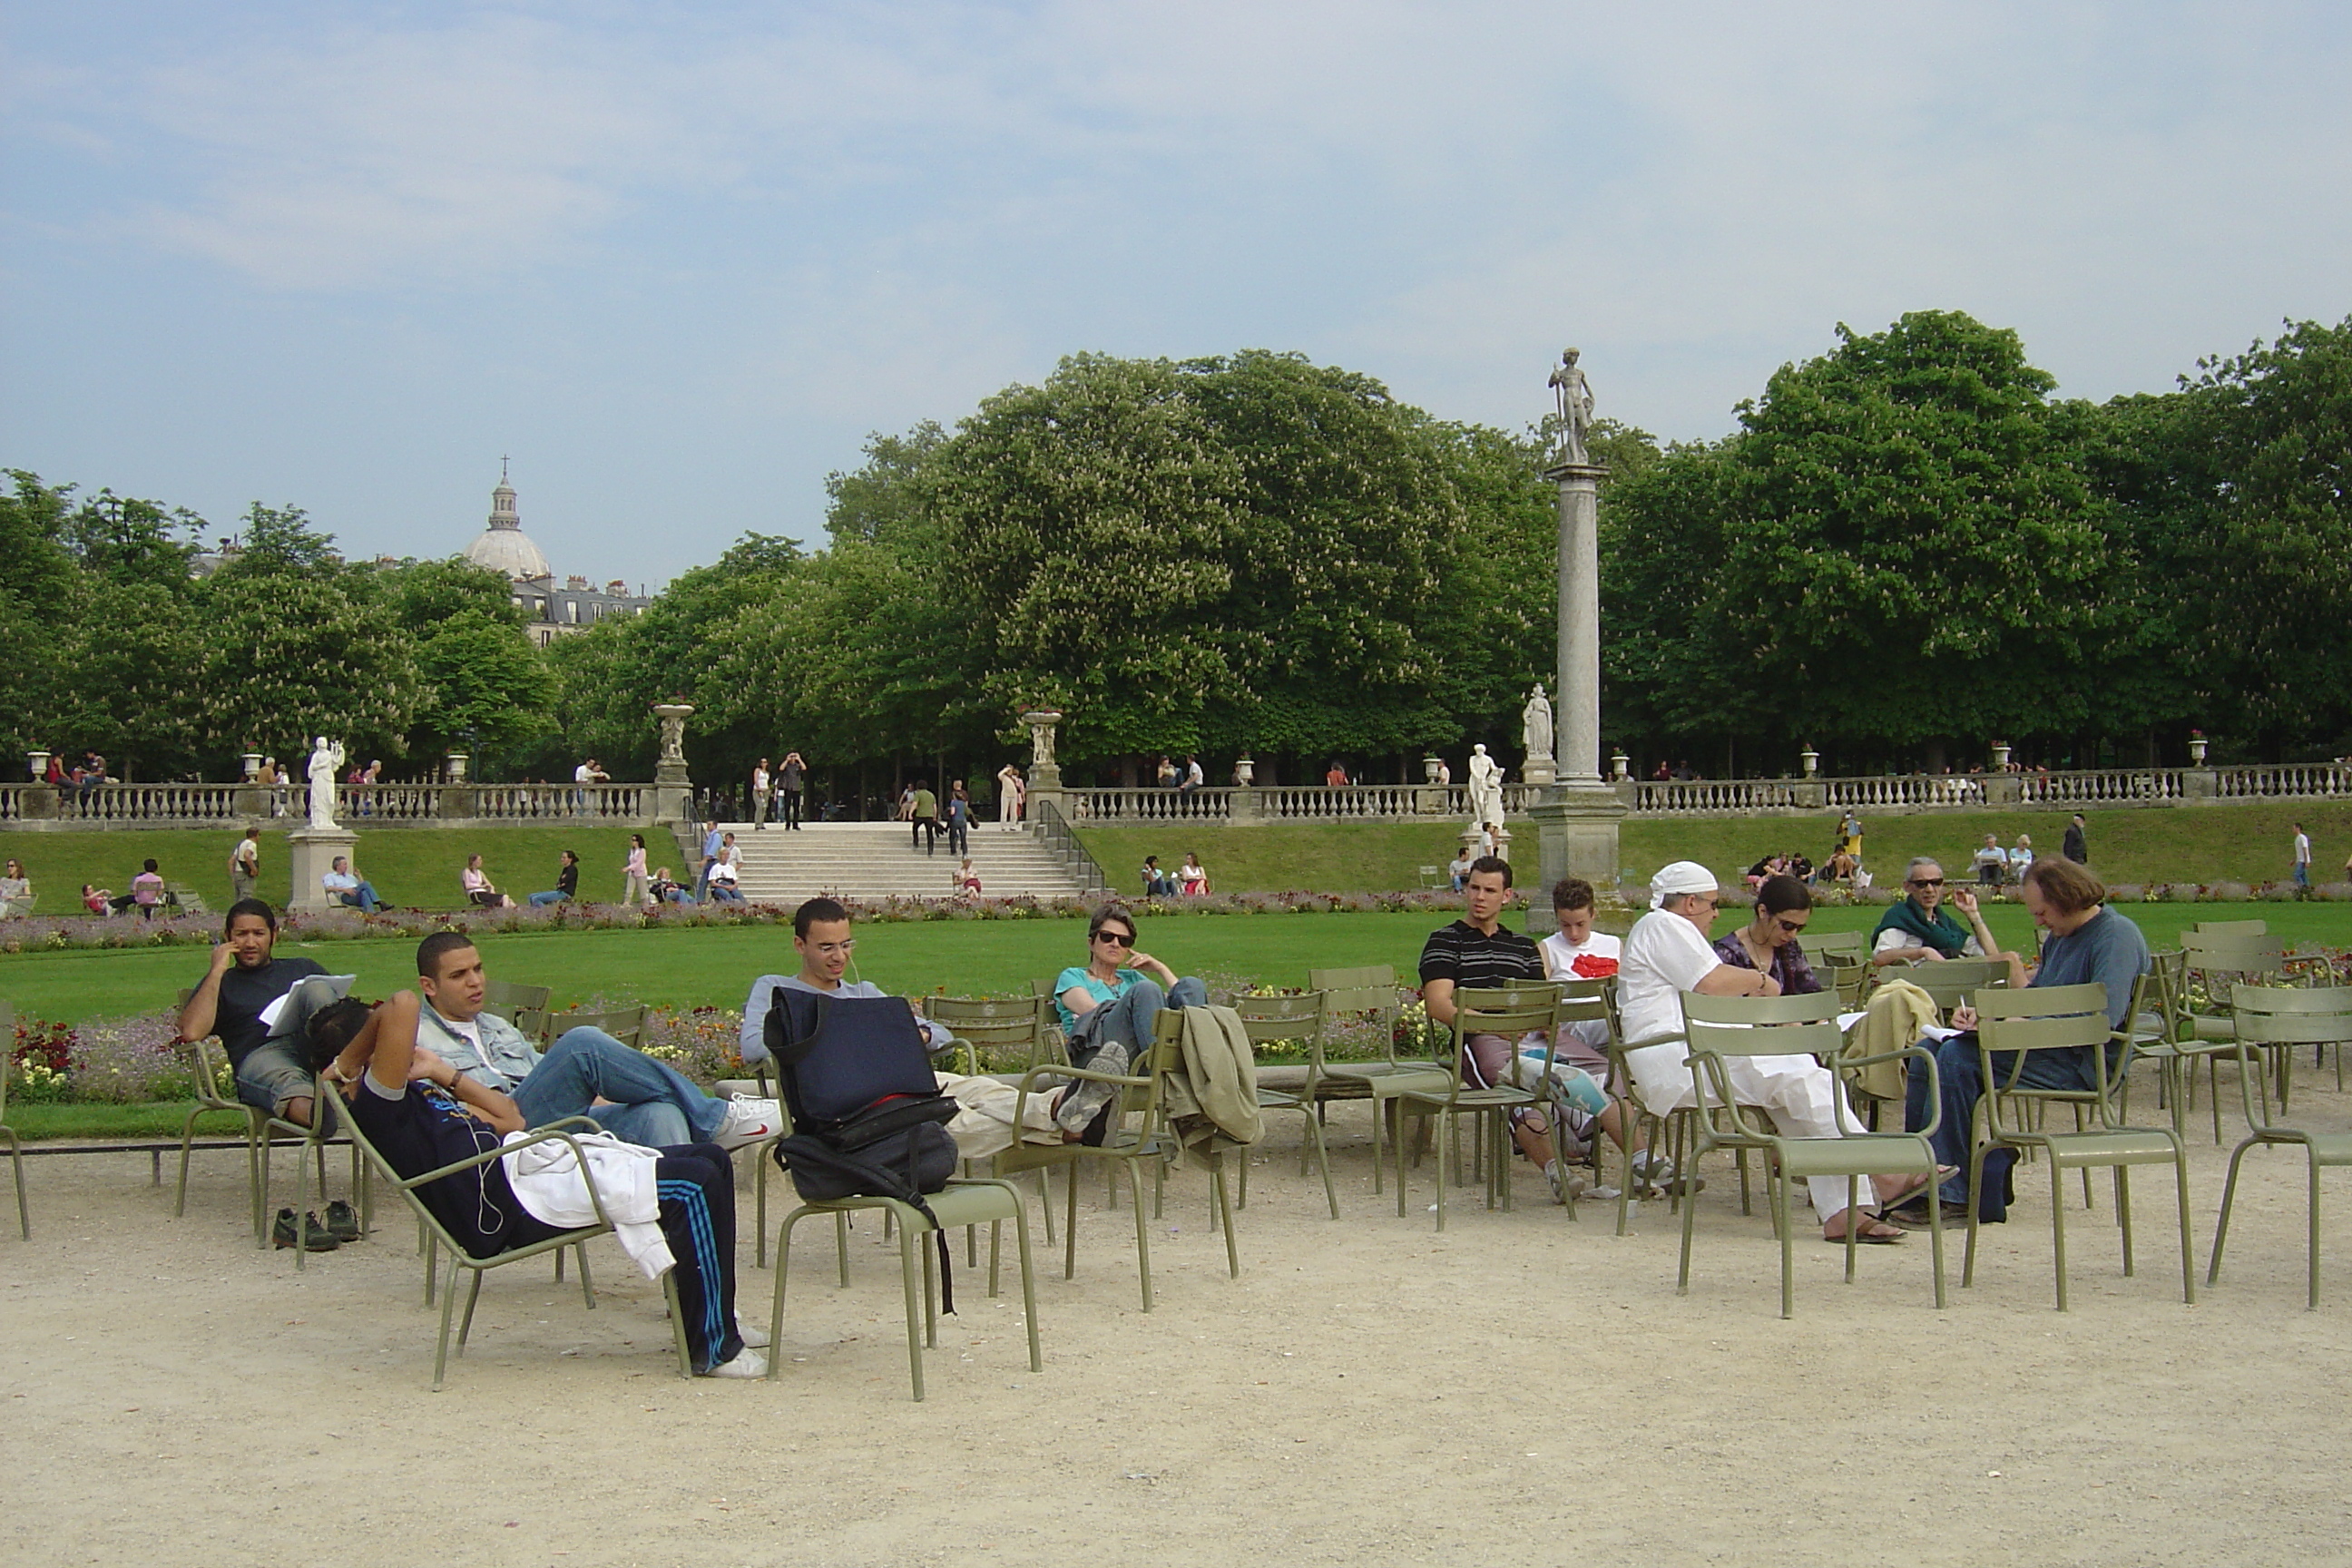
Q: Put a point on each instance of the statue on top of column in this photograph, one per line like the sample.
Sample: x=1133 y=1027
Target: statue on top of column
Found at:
x=1575 y=394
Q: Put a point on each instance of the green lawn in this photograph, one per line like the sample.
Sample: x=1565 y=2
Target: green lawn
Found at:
x=2185 y=843
x=715 y=966
x=416 y=867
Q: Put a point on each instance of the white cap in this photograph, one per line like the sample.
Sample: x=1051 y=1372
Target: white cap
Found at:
x=1681 y=877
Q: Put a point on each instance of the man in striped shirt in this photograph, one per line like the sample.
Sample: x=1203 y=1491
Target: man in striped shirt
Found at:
x=1475 y=951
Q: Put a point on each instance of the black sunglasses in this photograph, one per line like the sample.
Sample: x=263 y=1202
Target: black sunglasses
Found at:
x=1116 y=938
x=1926 y=881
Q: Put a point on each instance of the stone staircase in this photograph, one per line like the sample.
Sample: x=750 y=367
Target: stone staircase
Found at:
x=872 y=860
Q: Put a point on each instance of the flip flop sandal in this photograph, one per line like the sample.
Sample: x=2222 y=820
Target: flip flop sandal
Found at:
x=1875 y=1233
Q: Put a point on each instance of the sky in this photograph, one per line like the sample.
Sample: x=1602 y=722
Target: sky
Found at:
x=678 y=262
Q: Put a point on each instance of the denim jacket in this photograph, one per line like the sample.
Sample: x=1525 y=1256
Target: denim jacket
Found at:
x=512 y=1054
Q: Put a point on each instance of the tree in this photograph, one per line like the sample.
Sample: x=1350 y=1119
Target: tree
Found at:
x=287 y=657
x=1899 y=532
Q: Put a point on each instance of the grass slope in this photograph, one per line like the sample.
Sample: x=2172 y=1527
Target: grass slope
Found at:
x=716 y=966
x=2185 y=843
x=416 y=867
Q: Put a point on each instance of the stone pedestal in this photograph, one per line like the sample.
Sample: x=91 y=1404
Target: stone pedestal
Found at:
x=1246 y=806
x=672 y=793
x=1576 y=835
x=311 y=853
x=1539 y=772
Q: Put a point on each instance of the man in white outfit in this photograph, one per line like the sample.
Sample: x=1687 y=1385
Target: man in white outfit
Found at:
x=1667 y=953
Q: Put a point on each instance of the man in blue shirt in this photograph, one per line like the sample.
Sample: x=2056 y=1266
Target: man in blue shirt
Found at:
x=2088 y=941
x=713 y=841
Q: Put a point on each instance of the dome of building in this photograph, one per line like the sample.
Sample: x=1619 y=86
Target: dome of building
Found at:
x=504 y=546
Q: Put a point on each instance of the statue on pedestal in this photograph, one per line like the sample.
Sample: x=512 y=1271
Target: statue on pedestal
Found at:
x=1535 y=725
x=326 y=761
x=1486 y=787
x=673 y=717
x=1575 y=394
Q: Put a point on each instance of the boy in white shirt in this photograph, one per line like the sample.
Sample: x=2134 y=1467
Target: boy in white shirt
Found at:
x=1577 y=952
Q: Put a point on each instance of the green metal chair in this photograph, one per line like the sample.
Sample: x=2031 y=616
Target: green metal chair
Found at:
x=515 y=1003
x=208 y=1069
x=626 y=1025
x=1017 y=1024
x=1126 y=1147
x=1952 y=981
x=2064 y=1017
x=964 y=1203
x=2284 y=1017
x=1842 y=957
x=438 y=1238
x=1508 y=1011
x=1285 y=1020
x=15 y=1150
x=1722 y=1028
x=1371 y=989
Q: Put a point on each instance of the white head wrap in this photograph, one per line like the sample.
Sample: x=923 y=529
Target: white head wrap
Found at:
x=1681 y=877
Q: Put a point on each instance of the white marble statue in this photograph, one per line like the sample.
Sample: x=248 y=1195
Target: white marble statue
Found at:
x=1535 y=725
x=1575 y=408
x=671 y=718
x=326 y=762
x=1486 y=787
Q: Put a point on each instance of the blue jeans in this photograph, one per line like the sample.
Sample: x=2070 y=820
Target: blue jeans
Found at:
x=1131 y=1018
x=1962 y=1081
x=654 y=1104
x=363 y=897
x=2302 y=874
x=538 y=901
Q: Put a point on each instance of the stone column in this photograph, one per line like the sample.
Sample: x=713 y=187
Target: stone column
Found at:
x=1577 y=817
x=310 y=852
x=673 y=789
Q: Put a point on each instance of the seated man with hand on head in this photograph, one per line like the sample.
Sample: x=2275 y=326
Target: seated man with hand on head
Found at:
x=421 y=1113
x=1918 y=928
x=587 y=1073
x=1668 y=954
x=245 y=978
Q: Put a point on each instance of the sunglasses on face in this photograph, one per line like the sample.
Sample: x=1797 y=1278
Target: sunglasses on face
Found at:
x=1926 y=881
x=1116 y=938
x=1792 y=927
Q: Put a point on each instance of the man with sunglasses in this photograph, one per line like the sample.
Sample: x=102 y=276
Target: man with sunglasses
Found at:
x=1666 y=953
x=1919 y=928
x=1109 y=1006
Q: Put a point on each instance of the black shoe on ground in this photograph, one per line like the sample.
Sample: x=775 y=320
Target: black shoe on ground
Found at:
x=316 y=1238
x=1913 y=1215
x=343 y=1221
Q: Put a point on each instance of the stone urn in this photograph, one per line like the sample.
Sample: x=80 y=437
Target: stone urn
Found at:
x=39 y=761
x=2195 y=750
x=2000 y=756
x=1429 y=766
x=1812 y=762
x=453 y=766
x=1244 y=772
x=1619 y=772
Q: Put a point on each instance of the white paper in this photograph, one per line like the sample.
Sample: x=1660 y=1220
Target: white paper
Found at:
x=315 y=991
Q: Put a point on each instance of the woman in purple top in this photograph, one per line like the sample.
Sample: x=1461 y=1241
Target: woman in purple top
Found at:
x=1769 y=940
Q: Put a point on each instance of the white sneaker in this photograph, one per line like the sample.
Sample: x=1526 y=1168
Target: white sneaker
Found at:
x=749 y=1120
x=747 y=1364
x=1567 y=1186
x=753 y=1335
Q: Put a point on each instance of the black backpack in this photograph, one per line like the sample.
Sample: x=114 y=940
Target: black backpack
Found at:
x=869 y=1119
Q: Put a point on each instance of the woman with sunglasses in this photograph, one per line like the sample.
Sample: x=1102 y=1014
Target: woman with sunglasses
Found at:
x=1109 y=1006
x=1767 y=942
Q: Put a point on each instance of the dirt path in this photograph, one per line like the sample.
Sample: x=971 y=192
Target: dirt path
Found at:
x=1520 y=1388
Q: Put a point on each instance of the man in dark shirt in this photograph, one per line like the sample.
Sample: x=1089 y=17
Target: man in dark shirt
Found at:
x=2077 y=844
x=1476 y=952
x=244 y=979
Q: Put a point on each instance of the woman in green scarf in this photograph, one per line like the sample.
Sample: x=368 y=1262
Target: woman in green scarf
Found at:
x=1919 y=927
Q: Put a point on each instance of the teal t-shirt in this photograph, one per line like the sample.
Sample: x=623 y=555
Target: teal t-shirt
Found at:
x=1102 y=991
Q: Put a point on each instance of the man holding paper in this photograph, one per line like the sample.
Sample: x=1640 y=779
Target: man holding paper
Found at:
x=235 y=1000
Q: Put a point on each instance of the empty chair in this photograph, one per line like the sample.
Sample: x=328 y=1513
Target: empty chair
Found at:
x=2284 y=1017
